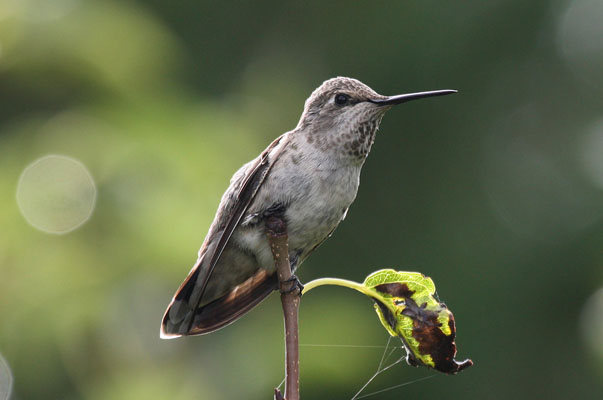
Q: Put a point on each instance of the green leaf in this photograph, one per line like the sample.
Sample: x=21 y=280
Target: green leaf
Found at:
x=407 y=307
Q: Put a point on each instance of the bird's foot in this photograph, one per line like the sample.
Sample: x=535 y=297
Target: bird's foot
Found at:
x=294 y=285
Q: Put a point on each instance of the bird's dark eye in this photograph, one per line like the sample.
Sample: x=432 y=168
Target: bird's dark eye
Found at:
x=341 y=99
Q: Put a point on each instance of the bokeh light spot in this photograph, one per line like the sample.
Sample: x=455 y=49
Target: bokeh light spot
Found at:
x=579 y=38
x=6 y=380
x=592 y=323
x=56 y=194
x=592 y=154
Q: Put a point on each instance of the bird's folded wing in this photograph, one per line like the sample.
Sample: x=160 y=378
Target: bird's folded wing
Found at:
x=183 y=316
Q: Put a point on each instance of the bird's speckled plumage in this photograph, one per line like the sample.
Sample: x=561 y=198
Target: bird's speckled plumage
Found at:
x=309 y=176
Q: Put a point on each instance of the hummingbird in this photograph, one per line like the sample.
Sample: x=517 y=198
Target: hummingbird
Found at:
x=308 y=177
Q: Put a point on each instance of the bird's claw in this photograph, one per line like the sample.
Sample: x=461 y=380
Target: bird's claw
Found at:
x=294 y=284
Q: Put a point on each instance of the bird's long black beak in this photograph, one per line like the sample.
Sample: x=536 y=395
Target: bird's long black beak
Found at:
x=403 y=98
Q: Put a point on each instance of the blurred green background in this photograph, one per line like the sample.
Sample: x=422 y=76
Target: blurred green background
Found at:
x=496 y=192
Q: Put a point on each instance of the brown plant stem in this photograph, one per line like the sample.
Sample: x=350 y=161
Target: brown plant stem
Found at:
x=276 y=229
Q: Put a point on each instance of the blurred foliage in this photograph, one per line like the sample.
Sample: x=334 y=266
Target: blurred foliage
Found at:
x=496 y=193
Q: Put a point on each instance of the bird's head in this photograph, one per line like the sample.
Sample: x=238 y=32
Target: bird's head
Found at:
x=346 y=112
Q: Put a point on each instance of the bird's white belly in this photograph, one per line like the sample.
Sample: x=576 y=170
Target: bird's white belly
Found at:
x=315 y=200
x=318 y=211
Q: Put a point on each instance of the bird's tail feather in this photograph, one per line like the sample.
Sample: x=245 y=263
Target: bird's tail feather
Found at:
x=182 y=320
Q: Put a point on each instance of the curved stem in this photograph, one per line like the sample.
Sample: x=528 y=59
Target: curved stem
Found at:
x=337 y=282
